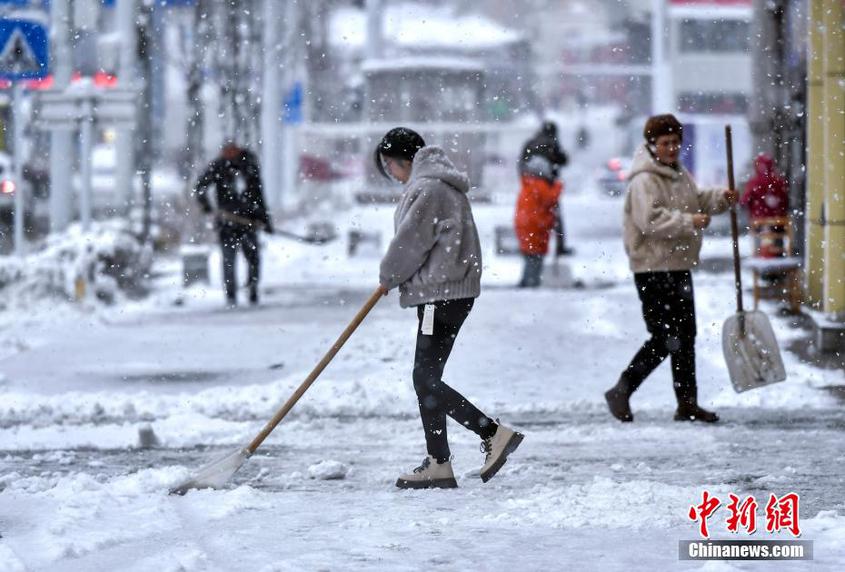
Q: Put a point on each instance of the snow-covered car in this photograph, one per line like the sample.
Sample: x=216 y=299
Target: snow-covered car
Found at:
x=613 y=177
x=9 y=187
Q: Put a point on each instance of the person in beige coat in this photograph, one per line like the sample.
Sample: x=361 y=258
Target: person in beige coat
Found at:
x=665 y=216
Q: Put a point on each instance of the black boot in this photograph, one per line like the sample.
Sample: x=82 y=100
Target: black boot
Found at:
x=617 y=398
x=688 y=409
x=692 y=412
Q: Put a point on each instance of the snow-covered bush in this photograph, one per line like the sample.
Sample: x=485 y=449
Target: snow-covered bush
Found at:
x=103 y=263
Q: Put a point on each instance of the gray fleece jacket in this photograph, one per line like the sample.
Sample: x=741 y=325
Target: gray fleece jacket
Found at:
x=435 y=254
x=659 y=233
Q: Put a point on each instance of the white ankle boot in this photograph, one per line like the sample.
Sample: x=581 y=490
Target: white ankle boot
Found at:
x=429 y=475
x=498 y=447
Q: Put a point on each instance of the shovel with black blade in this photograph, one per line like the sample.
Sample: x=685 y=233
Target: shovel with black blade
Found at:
x=748 y=341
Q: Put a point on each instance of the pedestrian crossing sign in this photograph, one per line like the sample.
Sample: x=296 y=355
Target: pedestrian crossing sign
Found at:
x=23 y=49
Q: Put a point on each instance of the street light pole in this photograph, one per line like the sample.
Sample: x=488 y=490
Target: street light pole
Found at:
x=86 y=144
x=20 y=208
x=125 y=140
x=145 y=162
x=661 y=80
x=271 y=102
x=61 y=141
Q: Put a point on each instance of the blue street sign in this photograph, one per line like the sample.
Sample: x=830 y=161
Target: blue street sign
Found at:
x=24 y=49
x=161 y=3
x=292 y=105
x=16 y=4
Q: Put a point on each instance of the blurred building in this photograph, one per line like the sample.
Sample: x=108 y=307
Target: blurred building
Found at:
x=422 y=30
x=584 y=51
x=709 y=54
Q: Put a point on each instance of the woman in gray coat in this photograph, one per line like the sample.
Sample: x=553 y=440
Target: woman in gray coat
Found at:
x=665 y=216
x=435 y=261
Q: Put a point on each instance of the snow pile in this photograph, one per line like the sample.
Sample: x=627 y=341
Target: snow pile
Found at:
x=328 y=470
x=99 y=263
x=597 y=503
x=83 y=514
x=218 y=415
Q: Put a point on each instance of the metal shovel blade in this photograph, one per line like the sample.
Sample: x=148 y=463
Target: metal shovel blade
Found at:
x=215 y=474
x=557 y=275
x=751 y=351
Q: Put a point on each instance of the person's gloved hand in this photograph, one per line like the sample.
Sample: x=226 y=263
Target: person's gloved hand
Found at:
x=268 y=227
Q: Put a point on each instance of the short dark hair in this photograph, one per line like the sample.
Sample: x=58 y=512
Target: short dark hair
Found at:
x=666 y=124
x=549 y=128
x=398 y=143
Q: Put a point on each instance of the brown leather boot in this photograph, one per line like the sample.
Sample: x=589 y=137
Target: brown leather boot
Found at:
x=617 y=398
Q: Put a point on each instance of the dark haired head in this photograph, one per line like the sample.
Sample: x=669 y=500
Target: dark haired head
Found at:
x=398 y=143
x=549 y=128
x=658 y=125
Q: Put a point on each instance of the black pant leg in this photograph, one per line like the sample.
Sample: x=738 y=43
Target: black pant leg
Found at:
x=436 y=398
x=251 y=249
x=229 y=244
x=684 y=332
x=532 y=272
x=668 y=305
x=651 y=291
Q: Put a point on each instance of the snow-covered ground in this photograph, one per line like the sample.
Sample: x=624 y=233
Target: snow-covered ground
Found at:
x=77 y=493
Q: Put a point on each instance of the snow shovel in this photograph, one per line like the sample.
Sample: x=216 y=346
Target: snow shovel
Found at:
x=219 y=471
x=557 y=276
x=748 y=341
x=244 y=221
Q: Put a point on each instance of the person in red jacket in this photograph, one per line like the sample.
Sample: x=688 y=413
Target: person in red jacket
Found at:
x=535 y=216
x=766 y=196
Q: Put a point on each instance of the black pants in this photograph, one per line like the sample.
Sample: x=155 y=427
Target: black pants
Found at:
x=532 y=272
x=668 y=305
x=232 y=239
x=436 y=399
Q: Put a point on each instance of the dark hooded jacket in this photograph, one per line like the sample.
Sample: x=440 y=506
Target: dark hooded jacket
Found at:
x=546 y=145
x=238 y=187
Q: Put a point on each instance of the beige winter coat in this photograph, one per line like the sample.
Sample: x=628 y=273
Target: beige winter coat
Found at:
x=659 y=233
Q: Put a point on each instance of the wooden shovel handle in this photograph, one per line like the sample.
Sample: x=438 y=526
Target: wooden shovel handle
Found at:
x=315 y=373
x=734 y=223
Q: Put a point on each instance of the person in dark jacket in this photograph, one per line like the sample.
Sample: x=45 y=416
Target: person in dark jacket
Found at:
x=434 y=260
x=240 y=211
x=545 y=143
